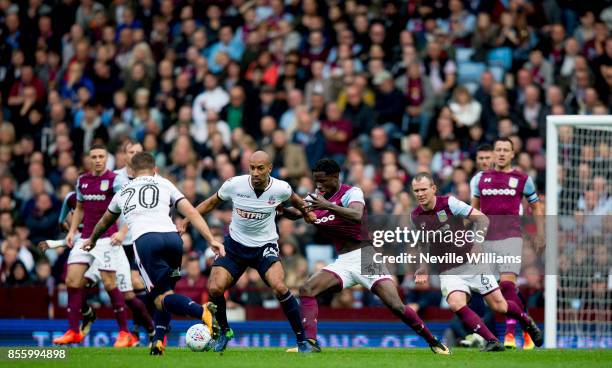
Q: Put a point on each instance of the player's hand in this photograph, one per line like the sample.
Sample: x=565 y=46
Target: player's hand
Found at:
x=181 y=226
x=88 y=245
x=421 y=277
x=70 y=239
x=117 y=238
x=310 y=217
x=217 y=247
x=317 y=202
x=43 y=246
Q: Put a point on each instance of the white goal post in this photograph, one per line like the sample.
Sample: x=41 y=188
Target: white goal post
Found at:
x=597 y=129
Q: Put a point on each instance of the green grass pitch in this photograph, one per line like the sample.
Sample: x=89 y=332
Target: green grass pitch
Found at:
x=276 y=357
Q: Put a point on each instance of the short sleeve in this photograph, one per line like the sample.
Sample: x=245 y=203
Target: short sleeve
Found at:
x=529 y=191
x=79 y=195
x=287 y=191
x=65 y=207
x=353 y=195
x=175 y=194
x=474 y=185
x=114 y=205
x=459 y=208
x=225 y=192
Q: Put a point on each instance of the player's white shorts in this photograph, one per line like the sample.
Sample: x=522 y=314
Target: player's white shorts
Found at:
x=467 y=278
x=124 y=274
x=104 y=252
x=505 y=247
x=347 y=268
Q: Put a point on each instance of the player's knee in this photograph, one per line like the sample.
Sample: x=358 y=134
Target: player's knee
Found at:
x=215 y=288
x=455 y=304
x=279 y=287
x=500 y=306
x=137 y=283
x=159 y=302
x=109 y=283
x=73 y=282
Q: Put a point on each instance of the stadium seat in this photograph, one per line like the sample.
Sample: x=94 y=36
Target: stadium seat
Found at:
x=501 y=56
x=319 y=252
x=463 y=54
x=469 y=72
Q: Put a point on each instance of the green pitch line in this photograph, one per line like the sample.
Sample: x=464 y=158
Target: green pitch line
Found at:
x=337 y=358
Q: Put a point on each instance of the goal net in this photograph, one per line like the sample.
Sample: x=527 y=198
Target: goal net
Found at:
x=578 y=295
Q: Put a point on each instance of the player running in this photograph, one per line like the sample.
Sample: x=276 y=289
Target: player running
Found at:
x=458 y=280
x=498 y=193
x=144 y=202
x=94 y=192
x=128 y=281
x=252 y=241
x=340 y=209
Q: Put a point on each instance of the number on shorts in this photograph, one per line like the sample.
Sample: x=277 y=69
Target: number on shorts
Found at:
x=121 y=280
x=107 y=256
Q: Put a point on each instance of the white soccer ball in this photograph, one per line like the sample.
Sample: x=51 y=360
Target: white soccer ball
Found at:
x=198 y=338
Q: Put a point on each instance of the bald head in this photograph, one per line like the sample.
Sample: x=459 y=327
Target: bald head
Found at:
x=260 y=157
x=260 y=168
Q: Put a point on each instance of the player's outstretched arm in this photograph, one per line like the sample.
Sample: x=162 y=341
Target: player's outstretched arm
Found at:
x=300 y=206
x=352 y=213
x=290 y=213
x=105 y=222
x=209 y=204
x=77 y=218
x=192 y=215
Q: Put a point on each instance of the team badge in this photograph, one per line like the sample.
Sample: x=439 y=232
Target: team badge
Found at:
x=442 y=216
x=271 y=200
x=104 y=185
x=513 y=182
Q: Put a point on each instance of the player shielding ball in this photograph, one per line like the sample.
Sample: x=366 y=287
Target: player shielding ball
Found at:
x=498 y=193
x=144 y=202
x=94 y=192
x=340 y=209
x=252 y=241
x=92 y=277
x=446 y=213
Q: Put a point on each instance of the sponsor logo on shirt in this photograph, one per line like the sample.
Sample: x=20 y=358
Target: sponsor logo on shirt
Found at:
x=250 y=215
x=243 y=195
x=323 y=220
x=94 y=197
x=508 y=192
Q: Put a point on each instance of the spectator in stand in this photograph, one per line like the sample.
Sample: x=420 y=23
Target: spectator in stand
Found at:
x=288 y=159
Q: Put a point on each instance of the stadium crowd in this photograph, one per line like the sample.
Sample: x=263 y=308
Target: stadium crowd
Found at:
x=386 y=88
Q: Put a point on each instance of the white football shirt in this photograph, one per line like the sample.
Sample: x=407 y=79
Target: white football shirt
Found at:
x=124 y=178
x=253 y=217
x=145 y=202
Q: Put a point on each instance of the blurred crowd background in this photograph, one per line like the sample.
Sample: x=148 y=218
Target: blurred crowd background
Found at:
x=386 y=88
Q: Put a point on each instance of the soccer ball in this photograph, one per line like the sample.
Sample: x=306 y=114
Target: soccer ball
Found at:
x=198 y=338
